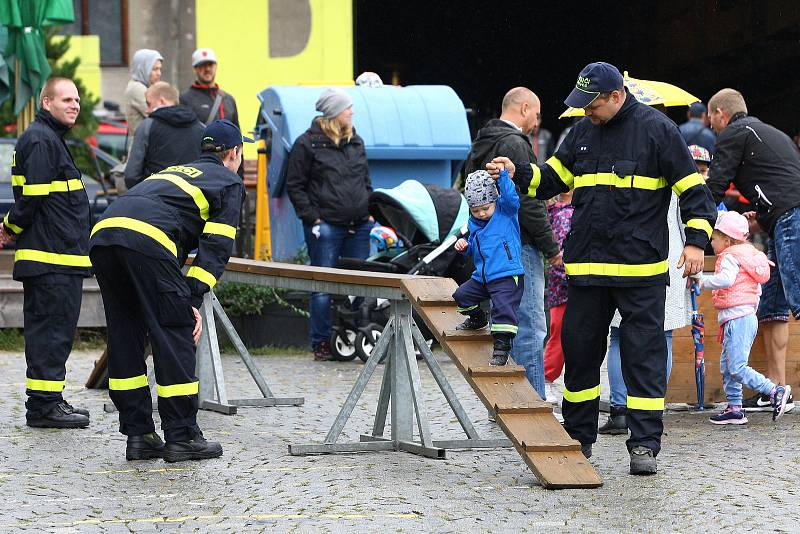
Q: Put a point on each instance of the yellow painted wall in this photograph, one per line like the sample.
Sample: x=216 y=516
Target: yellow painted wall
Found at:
x=87 y=47
x=238 y=34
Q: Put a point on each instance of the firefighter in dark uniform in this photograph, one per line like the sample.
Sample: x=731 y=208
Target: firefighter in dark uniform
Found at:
x=50 y=223
x=622 y=159
x=138 y=248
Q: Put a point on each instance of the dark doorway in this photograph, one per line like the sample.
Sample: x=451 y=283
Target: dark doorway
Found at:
x=481 y=48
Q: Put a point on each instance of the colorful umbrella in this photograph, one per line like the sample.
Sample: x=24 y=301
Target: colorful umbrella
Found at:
x=25 y=50
x=698 y=334
x=648 y=92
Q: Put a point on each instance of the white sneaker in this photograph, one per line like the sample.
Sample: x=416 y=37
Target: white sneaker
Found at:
x=549 y=390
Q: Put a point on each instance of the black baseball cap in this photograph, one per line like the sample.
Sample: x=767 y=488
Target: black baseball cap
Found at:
x=595 y=78
x=696 y=109
x=223 y=134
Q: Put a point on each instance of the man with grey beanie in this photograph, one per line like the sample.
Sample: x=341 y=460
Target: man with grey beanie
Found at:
x=327 y=179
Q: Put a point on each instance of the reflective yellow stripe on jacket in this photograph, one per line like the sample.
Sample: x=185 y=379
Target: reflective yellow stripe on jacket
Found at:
x=700 y=224
x=220 y=229
x=57 y=186
x=563 y=173
x=611 y=179
x=201 y=274
x=687 y=182
x=191 y=190
x=138 y=226
x=616 y=269
x=53 y=258
x=13 y=227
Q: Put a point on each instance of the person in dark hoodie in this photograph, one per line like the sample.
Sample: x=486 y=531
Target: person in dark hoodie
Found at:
x=509 y=134
x=170 y=135
x=328 y=182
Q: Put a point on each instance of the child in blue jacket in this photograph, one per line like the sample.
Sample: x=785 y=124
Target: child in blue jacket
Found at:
x=495 y=245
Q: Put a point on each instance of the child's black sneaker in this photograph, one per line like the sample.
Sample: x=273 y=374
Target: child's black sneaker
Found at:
x=474 y=321
x=499 y=357
x=502 y=347
x=757 y=403
x=780 y=397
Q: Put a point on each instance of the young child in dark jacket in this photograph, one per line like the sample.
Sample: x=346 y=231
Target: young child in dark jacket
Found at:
x=495 y=246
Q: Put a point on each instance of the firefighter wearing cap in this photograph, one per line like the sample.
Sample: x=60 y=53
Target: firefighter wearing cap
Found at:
x=622 y=159
x=204 y=96
x=50 y=223
x=138 y=248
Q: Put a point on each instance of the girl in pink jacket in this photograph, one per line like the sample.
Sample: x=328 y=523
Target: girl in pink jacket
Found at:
x=736 y=283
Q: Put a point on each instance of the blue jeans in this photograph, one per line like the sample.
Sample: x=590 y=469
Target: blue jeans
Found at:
x=739 y=336
x=781 y=293
x=619 y=393
x=334 y=241
x=528 y=348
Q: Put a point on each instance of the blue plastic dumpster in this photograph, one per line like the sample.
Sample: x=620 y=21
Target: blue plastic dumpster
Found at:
x=416 y=132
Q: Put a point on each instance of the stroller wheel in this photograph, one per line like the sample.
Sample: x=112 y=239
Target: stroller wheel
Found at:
x=343 y=344
x=367 y=339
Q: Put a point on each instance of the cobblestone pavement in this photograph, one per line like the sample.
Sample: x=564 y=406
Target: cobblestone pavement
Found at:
x=711 y=478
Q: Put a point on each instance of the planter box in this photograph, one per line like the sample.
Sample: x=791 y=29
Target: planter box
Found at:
x=277 y=326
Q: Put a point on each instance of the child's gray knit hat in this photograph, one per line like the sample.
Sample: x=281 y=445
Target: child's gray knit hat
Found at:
x=480 y=189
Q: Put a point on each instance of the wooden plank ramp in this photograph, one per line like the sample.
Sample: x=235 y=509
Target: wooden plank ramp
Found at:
x=544 y=445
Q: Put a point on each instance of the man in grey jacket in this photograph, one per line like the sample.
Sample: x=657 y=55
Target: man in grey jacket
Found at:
x=521 y=112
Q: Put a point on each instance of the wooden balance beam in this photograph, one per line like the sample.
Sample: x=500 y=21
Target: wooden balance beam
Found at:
x=551 y=454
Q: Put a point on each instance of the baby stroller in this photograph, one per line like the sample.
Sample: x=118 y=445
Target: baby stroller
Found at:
x=426 y=220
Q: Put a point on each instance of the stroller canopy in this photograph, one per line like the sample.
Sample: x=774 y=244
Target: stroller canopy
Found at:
x=421 y=213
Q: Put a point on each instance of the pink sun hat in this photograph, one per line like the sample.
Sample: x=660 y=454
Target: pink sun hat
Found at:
x=733 y=225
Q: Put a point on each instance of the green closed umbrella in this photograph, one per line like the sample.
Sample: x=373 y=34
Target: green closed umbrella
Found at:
x=25 y=55
x=5 y=76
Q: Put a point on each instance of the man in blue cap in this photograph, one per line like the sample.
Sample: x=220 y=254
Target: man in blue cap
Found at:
x=138 y=249
x=695 y=130
x=622 y=159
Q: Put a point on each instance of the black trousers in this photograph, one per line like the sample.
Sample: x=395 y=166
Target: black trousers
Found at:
x=51 y=309
x=584 y=338
x=143 y=297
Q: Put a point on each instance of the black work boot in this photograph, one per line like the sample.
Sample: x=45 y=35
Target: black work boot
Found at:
x=81 y=411
x=59 y=416
x=196 y=448
x=475 y=321
x=144 y=447
x=643 y=461
x=502 y=346
x=587 y=450
x=617 y=422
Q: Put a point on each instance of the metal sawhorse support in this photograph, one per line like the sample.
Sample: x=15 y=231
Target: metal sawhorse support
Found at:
x=401 y=386
x=213 y=394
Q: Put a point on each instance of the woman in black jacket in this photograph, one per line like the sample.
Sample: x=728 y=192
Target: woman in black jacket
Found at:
x=328 y=183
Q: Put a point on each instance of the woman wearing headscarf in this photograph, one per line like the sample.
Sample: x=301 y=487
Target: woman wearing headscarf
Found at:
x=328 y=182
x=145 y=71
